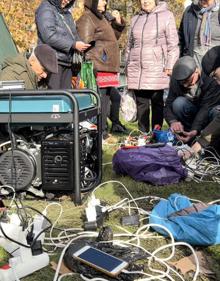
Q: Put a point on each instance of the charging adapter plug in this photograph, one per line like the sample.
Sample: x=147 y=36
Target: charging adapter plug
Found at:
x=93 y=208
x=90 y=226
x=93 y=201
x=37 y=248
x=91 y=213
x=130 y=220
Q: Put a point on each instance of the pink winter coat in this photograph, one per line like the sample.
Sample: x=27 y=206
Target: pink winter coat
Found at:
x=152 y=48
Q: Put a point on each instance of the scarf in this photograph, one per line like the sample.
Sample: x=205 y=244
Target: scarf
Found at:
x=205 y=28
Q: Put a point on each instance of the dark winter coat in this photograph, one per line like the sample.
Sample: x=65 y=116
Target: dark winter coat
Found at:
x=188 y=28
x=210 y=97
x=52 y=30
x=94 y=26
x=18 y=68
x=152 y=48
x=210 y=133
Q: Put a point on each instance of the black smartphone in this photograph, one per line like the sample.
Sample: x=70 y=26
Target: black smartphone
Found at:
x=100 y=260
x=92 y=43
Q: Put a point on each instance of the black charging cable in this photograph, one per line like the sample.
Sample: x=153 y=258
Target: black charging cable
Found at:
x=35 y=239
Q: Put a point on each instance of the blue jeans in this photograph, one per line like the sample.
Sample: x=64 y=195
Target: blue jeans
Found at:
x=214 y=112
x=185 y=110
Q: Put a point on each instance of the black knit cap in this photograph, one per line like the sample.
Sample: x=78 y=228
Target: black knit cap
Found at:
x=47 y=58
x=184 y=68
x=211 y=60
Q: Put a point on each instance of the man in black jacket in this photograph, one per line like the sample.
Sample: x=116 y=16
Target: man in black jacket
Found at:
x=210 y=135
x=193 y=98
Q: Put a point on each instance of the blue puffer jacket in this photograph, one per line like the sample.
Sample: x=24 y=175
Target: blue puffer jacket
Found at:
x=49 y=18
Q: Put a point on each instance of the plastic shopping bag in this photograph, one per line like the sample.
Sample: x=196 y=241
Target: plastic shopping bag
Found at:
x=128 y=108
x=86 y=77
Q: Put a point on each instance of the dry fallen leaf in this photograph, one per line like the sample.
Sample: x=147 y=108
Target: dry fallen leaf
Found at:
x=63 y=268
x=184 y=265
x=187 y=264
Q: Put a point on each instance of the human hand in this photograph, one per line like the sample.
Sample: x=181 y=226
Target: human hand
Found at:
x=117 y=16
x=186 y=136
x=196 y=147
x=81 y=46
x=191 y=151
x=176 y=126
x=168 y=72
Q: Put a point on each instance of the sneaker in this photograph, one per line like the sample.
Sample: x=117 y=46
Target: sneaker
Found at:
x=118 y=128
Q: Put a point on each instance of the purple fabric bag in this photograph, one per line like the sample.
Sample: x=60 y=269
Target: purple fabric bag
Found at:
x=159 y=166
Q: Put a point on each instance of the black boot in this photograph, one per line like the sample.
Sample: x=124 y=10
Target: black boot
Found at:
x=118 y=128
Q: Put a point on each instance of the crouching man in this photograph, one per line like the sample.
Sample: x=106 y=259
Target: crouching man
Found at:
x=210 y=135
x=193 y=96
x=32 y=70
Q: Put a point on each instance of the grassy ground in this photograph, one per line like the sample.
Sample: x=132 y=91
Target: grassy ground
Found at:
x=111 y=193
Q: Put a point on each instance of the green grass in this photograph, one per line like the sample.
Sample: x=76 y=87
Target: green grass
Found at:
x=112 y=193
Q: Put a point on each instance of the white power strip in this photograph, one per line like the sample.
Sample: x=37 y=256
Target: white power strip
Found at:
x=23 y=262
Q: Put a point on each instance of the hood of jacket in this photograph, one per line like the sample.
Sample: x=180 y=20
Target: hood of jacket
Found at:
x=92 y=6
x=57 y=4
x=160 y=7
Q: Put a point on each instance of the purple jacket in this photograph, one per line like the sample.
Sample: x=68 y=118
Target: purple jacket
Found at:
x=152 y=47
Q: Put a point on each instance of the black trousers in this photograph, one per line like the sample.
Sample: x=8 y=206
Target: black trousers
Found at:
x=110 y=102
x=143 y=99
x=62 y=79
x=115 y=99
x=105 y=102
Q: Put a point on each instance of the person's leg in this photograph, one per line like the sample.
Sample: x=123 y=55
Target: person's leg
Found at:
x=115 y=99
x=66 y=79
x=214 y=112
x=143 y=110
x=157 y=106
x=185 y=111
x=105 y=99
x=60 y=80
x=54 y=79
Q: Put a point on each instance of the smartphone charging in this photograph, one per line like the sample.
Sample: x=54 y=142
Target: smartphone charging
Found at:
x=100 y=260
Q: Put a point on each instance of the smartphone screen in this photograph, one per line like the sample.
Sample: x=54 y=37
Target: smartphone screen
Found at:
x=100 y=260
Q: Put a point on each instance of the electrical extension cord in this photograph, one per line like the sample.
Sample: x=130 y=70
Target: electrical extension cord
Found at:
x=23 y=262
x=17 y=269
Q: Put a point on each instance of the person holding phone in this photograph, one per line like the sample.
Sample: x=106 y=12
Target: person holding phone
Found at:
x=56 y=27
x=105 y=29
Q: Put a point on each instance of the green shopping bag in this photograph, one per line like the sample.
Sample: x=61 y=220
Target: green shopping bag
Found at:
x=87 y=77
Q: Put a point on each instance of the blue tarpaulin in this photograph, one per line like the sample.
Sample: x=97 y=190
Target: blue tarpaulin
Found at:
x=196 y=228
